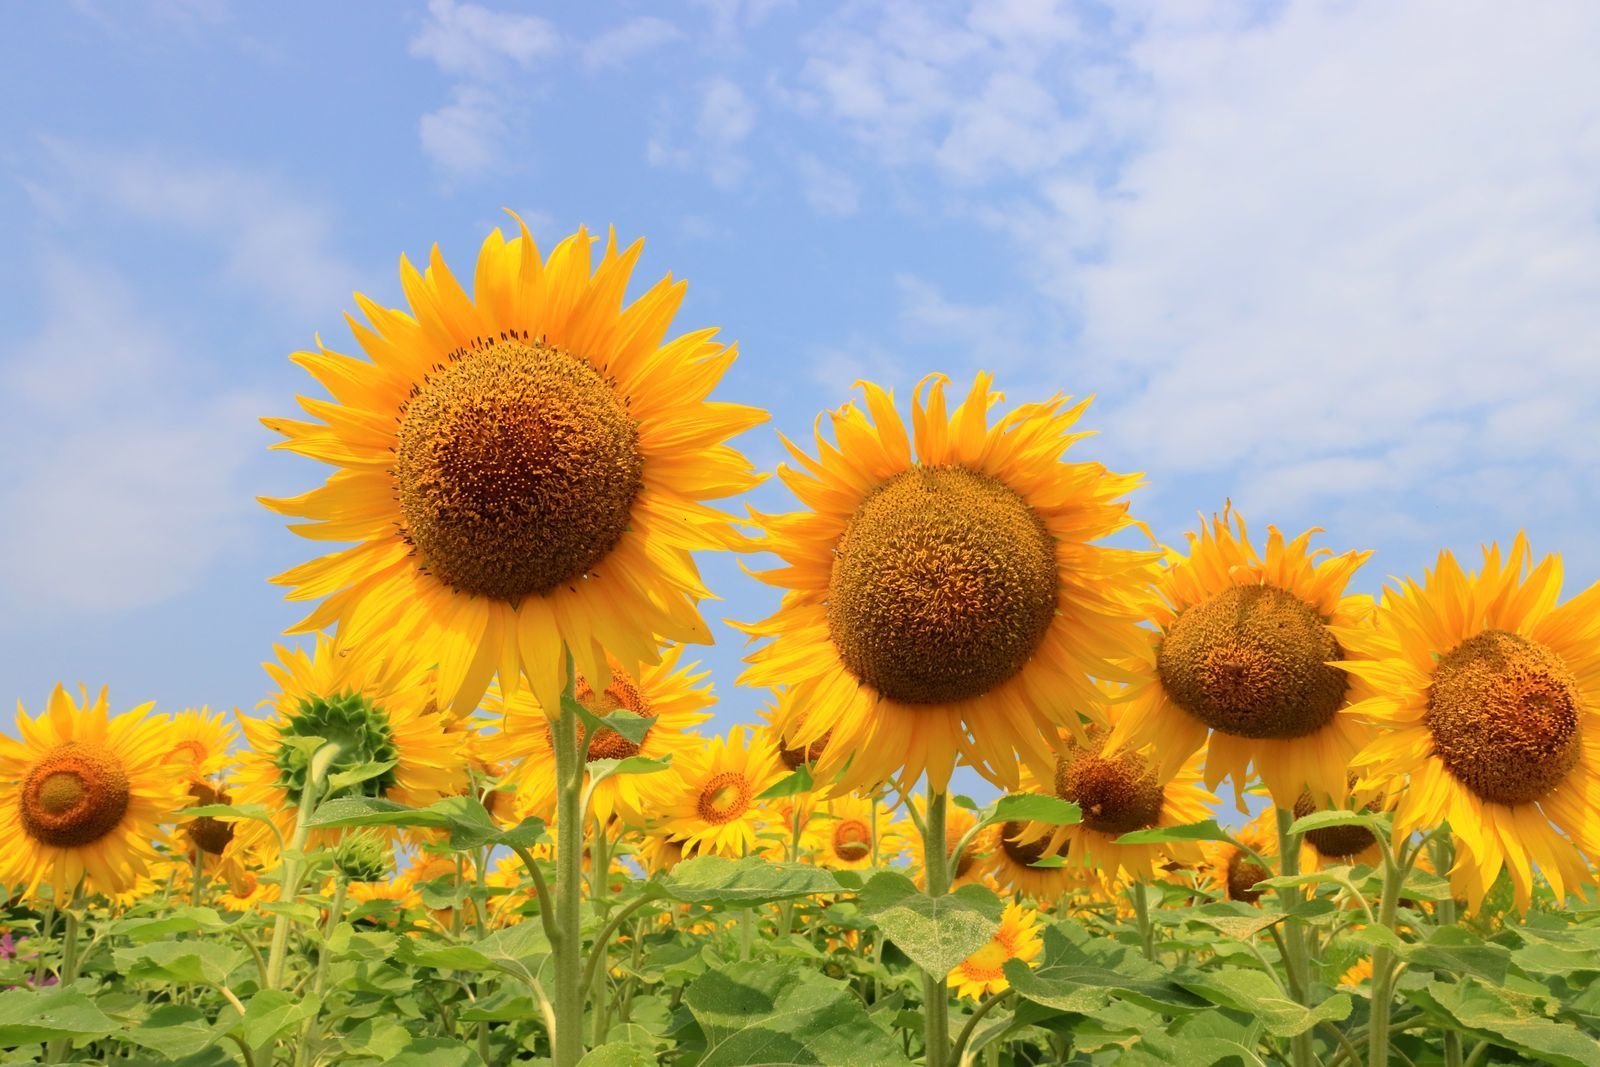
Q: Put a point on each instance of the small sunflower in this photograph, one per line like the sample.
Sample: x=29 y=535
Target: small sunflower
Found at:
x=676 y=697
x=1232 y=872
x=1009 y=852
x=1338 y=845
x=659 y=852
x=708 y=800
x=523 y=469
x=1118 y=793
x=947 y=603
x=1242 y=664
x=377 y=710
x=983 y=972
x=845 y=827
x=90 y=792
x=201 y=742
x=1487 y=708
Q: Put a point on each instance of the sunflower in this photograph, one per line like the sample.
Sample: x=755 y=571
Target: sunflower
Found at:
x=90 y=791
x=1338 y=845
x=658 y=852
x=845 y=827
x=708 y=800
x=950 y=603
x=377 y=710
x=676 y=697
x=1488 y=710
x=1008 y=852
x=1118 y=794
x=523 y=470
x=1232 y=872
x=1243 y=652
x=201 y=744
x=983 y=972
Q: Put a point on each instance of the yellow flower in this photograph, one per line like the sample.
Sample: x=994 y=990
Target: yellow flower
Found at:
x=983 y=972
x=843 y=834
x=1487 y=702
x=948 y=603
x=1231 y=872
x=708 y=800
x=1118 y=793
x=1008 y=851
x=523 y=469
x=89 y=791
x=1241 y=663
x=377 y=710
x=201 y=743
x=676 y=697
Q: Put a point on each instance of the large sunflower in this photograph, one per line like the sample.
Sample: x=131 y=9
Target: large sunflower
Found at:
x=949 y=601
x=676 y=697
x=1241 y=663
x=89 y=791
x=1488 y=709
x=523 y=470
x=1118 y=794
x=376 y=709
x=707 y=802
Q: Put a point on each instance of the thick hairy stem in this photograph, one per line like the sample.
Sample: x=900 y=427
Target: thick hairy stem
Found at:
x=567 y=1042
x=293 y=867
x=1383 y=966
x=1294 y=934
x=1139 y=893
x=935 y=1008
x=1444 y=913
x=58 y=1049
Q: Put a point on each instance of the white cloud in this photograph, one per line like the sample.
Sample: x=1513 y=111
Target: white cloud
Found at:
x=726 y=114
x=483 y=49
x=465 y=39
x=622 y=44
x=827 y=190
x=724 y=118
x=132 y=484
x=272 y=241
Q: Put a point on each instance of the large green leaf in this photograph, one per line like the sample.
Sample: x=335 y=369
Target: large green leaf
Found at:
x=618 y=1054
x=1453 y=951
x=1205 y=830
x=436 y=1052
x=467 y=821
x=1082 y=976
x=772 y=1013
x=32 y=1015
x=1036 y=807
x=191 y=962
x=936 y=932
x=1492 y=1015
x=744 y=882
x=174 y=1030
x=271 y=1012
x=1257 y=994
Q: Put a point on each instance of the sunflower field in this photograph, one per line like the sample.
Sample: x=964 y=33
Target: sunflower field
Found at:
x=1245 y=815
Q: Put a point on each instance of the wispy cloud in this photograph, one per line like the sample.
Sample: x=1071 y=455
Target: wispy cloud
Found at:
x=628 y=41
x=724 y=117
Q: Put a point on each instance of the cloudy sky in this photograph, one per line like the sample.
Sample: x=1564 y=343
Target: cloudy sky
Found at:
x=1339 y=261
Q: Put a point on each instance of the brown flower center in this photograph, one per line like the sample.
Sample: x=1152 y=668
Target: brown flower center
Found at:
x=621 y=695
x=1024 y=854
x=210 y=835
x=724 y=798
x=1504 y=712
x=1243 y=874
x=74 y=796
x=794 y=757
x=1117 y=794
x=1335 y=842
x=852 y=840
x=943 y=585
x=1253 y=662
x=517 y=466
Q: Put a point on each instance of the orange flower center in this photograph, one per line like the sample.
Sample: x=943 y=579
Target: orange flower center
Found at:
x=988 y=963
x=723 y=798
x=74 y=796
x=852 y=840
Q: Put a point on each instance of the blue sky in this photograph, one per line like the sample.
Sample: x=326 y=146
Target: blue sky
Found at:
x=1338 y=261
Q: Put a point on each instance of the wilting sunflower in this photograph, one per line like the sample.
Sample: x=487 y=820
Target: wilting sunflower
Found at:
x=676 y=697
x=841 y=833
x=376 y=709
x=983 y=972
x=89 y=791
x=1232 y=872
x=523 y=468
x=708 y=800
x=947 y=602
x=1487 y=704
x=1242 y=664
x=1118 y=794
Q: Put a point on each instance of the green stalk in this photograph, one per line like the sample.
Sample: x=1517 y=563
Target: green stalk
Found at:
x=58 y=1050
x=310 y=1035
x=292 y=865
x=599 y=890
x=567 y=1041
x=1139 y=893
x=1383 y=964
x=935 y=997
x=1296 y=955
x=1444 y=913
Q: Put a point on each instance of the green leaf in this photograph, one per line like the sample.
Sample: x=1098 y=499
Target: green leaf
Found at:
x=184 y=920
x=1083 y=978
x=271 y=1012
x=1489 y=1015
x=775 y=1013
x=1255 y=993
x=339 y=781
x=32 y=1015
x=791 y=785
x=174 y=1030
x=1323 y=820
x=961 y=800
x=435 y=1052
x=936 y=932
x=1036 y=807
x=469 y=823
x=1235 y=919
x=743 y=882
x=225 y=812
x=618 y=1054
x=601 y=769
x=193 y=962
x=1206 y=830
x=1454 y=951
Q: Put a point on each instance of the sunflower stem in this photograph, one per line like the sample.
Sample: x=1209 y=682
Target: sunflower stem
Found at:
x=567 y=1041
x=292 y=863
x=1394 y=874
x=935 y=998
x=311 y=1033
x=60 y=1048
x=1296 y=959
x=1139 y=893
x=1444 y=912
